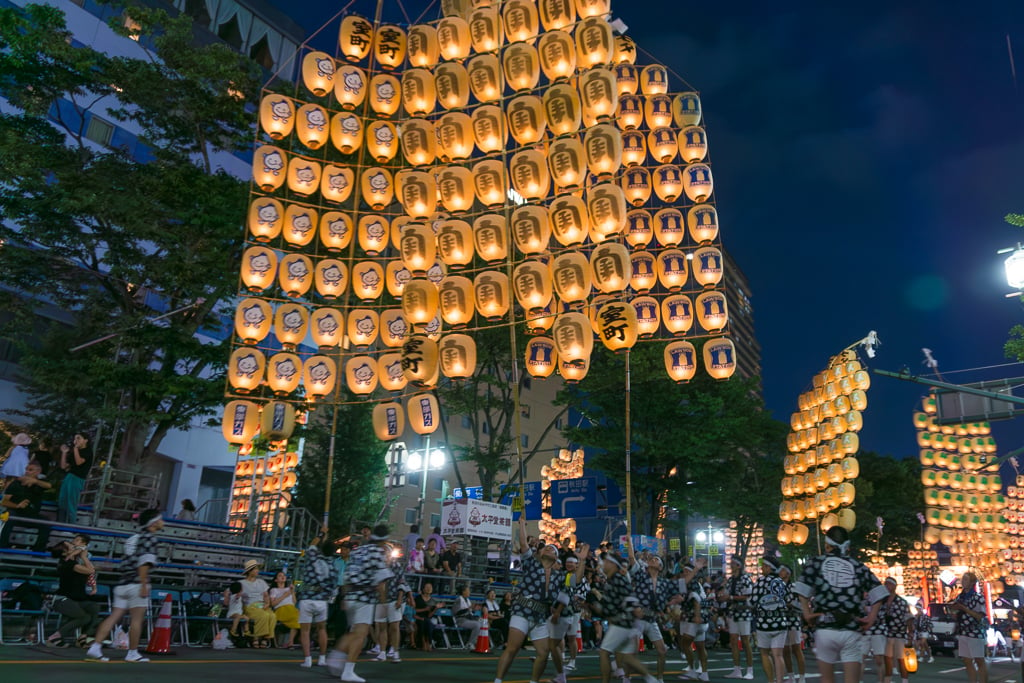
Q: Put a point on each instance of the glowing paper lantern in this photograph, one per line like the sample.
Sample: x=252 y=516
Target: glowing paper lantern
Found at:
x=420 y=360
x=388 y=419
x=693 y=144
x=284 y=372
x=571 y=277
x=269 y=167
x=457 y=353
x=245 y=369
x=418 y=142
x=529 y=172
x=277 y=421
x=299 y=224
x=253 y=320
x=417 y=192
x=455 y=300
x=453 y=38
x=346 y=133
x=604 y=150
x=319 y=376
x=277 y=116
x=378 y=187
x=617 y=325
x=490 y=237
x=318 y=73
x=303 y=176
x=336 y=183
x=531 y=229
x=417 y=248
x=455 y=243
x=686 y=109
x=259 y=265
x=720 y=358
x=671 y=265
x=697 y=182
x=355 y=38
x=423 y=49
x=331 y=278
x=372 y=232
x=451 y=82
x=573 y=338
x=707 y=271
x=677 y=313
x=490 y=290
x=606 y=206
x=394 y=328
x=654 y=80
x=266 y=217
x=485 y=78
x=557 y=53
x=712 y=310
x=598 y=91
x=291 y=322
x=541 y=357
x=636 y=185
x=702 y=222
x=485 y=29
x=489 y=128
x=241 y=421
x=680 y=361
x=567 y=163
x=455 y=136
x=646 y=308
x=423 y=412
x=668 y=227
x=531 y=283
x=595 y=42
x=312 y=126
x=367 y=280
x=611 y=267
x=668 y=182
x=526 y=119
x=419 y=301
x=521 y=65
x=521 y=20
x=644 y=276
x=455 y=187
x=389 y=46
x=326 y=327
x=389 y=372
x=350 y=87
x=382 y=140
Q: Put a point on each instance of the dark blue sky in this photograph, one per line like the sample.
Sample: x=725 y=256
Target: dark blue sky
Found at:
x=864 y=157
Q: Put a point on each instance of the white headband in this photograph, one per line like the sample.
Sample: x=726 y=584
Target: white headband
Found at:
x=844 y=547
x=151 y=522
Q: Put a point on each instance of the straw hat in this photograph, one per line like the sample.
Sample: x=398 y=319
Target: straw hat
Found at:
x=251 y=564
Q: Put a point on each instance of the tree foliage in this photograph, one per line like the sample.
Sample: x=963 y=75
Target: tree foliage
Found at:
x=100 y=239
x=705 y=447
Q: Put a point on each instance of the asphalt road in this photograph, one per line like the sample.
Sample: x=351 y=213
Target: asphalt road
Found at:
x=31 y=664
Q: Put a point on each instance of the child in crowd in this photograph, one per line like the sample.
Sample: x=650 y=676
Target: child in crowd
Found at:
x=233 y=601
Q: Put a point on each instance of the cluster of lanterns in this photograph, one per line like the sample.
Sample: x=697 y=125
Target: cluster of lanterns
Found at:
x=273 y=475
x=755 y=551
x=568 y=465
x=922 y=563
x=501 y=164
x=822 y=465
x=964 y=503
x=1014 y=513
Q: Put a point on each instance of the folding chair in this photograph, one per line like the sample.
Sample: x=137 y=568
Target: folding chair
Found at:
x=9 y=608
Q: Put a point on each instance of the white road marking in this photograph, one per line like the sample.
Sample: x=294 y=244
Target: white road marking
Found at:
x=949 y=671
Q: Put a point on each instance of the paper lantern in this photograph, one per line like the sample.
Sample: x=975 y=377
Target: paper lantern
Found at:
x=420 y=360
x=490 y=237
x=363 y=326
x=541 y=357
x=668 y=182
x=720 y=358
x=299 y=224
x=617 y=325
x=259 y=266
x=593 y=8
x=489 y=129
x=531 y=229
x=639 y=228
x=531 y=283
x=850 y=443
x=241 y=421
x=319 y=376
x=389 y=372
x=455 y=243
x=707 y=271
x=367 y=280
x=647 y=321
x=654 y=80
x=627 y=78
x=451 y=82
x=643 y=276
x=595 y=42
x=350 y=87
x=388 y=419
x=568 y=218
x=419 y=301
x=389 y=46
x=378 y=187
x=245 y=369
x=455 y=187
x=417 y=192
x=252 y=320
x=291 y=322
x=693 y=144
x=277 y=421
x=521 y=20
x=598 y=92
x=557 y=53
x=686 y=109
x=571 y=277
x=606 y=207
x=634 y=148
x=636 y=185
x=422 y=46
x=355 y=38
x=269 y=168
x=266 y=217
x=336 y=183
x=668 y=227
x=611 y=267
x=284 y=372
x=382 y=140
x=385 y=93
x=277 y=115
x=326 y=326
x=318 y=70
x=454 y=136
x=361 y=375
x=331 y=278
x=423 y=412
x=394 y=328
x=542 y=322
x=562 y=109
x=573 y=338
x=485 y=29
x=567 y=163
x=677 y=313
x=303 y=176
x=680 y=361
x=453 y=38
x=662 y=144
x=603 y=146
x=526 y=119
x=312 y=126
x=800 y=534
x=485 y=78
x=457 y=353
x=521 y=65
x=417 y=248
x=490 y=290
x=372 y=233
x=702 y=222
x=556 y=14
x=697 y=182
x=785 y=534
x=631 y=115
x=346 y=133
x=712 y=310
x=529 y=172
x=418 y=142
x=672 y=269
x=455 y=300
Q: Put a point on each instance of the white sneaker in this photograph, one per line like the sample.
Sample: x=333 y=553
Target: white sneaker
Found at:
x=749 y=676
x=95 y=653
x=930 y=659
x=134 y=656
x=570 y=665
x=307 y=663
x=381 y=657
x=393 y=656
x=336 y=662
x=321 y=661
x=351 y=677
x=704 y=676
x=735 y=673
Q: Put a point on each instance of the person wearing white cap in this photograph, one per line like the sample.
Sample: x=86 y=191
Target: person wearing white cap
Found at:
x=770 y=601
x=899 y=629
x=17 y=457
x=537 y=606
x=740 y=586
x=131 y=595
x=692 y=625
x=835 y=582
x=617 y=603
x=969 y=607
x=655 y=593
x=576 y=589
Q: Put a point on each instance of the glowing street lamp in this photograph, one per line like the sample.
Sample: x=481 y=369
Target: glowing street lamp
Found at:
x=424 y=461
x=1014 y=266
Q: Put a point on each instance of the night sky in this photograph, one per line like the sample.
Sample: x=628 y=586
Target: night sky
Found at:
x=864 y=158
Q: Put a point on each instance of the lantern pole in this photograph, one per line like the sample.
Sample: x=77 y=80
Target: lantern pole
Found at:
x=629 y=466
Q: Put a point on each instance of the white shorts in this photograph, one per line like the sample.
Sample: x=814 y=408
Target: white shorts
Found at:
x=651 y=630
x=833 y=646
x=359 y=613
x=739 y=628
x=688 y=628
x=772 y=640
x=312 y=611
x=619 y=639
x=537 y=630
x=563 y=626
x=702 y=633
x=970 y=648
x=387 y=613
x=875 y=644
x=794 y=636
x=127 y=597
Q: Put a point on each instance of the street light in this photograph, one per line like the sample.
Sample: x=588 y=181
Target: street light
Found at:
x=424 y=461
x=708 y=537
x=1014 y=267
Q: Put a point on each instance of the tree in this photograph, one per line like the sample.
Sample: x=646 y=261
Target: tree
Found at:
x=357 y=481
x=889 y=488
x=703 y=447
x=112 y=236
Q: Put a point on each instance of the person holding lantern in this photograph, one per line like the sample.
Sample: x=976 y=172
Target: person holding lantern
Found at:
x=740 y=586
x=835 y=582
x=655 y=594
x=969 y=607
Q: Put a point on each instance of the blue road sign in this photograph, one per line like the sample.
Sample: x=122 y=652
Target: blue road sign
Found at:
x=574 y=498
x=474 y=492
x=531 y=503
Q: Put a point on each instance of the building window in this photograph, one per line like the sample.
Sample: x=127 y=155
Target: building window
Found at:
x=525 y=440
x=260 y=54
x=467 y=423
x=410 y=515
x=438 y=483
x=230 y=33
x=99 y=131
x=524 y=411
x=559 y=424
x=197 y=10
x=413 y=478
x=435 y=520
x=527 y=382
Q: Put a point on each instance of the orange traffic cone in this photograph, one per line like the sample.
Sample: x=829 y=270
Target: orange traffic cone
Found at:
x=160 y=638
x=579 y=637
x=641 y=646
x=483 y=639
